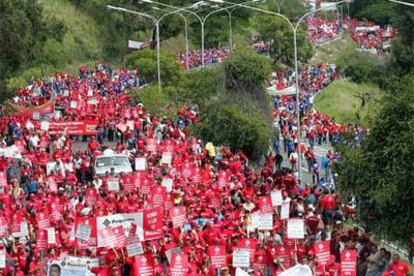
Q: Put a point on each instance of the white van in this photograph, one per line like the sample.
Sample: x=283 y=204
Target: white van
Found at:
x=110 y=160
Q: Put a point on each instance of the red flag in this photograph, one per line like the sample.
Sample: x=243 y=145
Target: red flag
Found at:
x=348 y=263
x=218 y=256
x=152 y=224
x=322 y=251
x=177 y=215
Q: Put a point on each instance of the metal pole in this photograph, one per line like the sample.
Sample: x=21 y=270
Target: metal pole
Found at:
x=231 y=29
x=157 y=27
x=297 y=103
x=202 y=44
x=187 y=61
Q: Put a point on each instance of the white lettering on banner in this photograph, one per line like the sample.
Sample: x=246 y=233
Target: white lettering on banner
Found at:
x=122 y=219
x=241 y=258
x=285 y=210
x=296 y=229
x=51 y=235
x=84 y=232
x=140 y=164
x=134 y=249
x=276 y=197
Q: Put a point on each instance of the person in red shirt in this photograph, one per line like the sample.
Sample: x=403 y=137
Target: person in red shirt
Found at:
x=398 y=267
x=327 y=204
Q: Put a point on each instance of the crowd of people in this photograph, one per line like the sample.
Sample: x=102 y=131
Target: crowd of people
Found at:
x=187 y=208
x=368 y=35
x=211 y=56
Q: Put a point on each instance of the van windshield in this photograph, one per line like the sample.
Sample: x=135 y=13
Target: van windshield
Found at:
x=111 y=161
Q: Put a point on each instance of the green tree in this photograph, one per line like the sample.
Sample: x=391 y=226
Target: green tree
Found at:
x=228 y=124
x=380 y=172
x=146 y=62
x=278 y=35
x=23 y=33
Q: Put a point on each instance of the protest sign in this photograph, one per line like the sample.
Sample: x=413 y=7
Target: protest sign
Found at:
x=83 y=232
x=113 y=184
x=348 y=262
x=265 y=221
x=178 y=264
x=241 y=258
x=167 y=182
x=322 y=252
x=265 y=205
x=125 y=220
x=51 y=235
x=134 y=249
x=285 y=210
x=177 y=215
x=140 y=164
x=2 y=258
x=44 y=125
x=166 y=158
x=276 y=197
x=218 y=256
x=295 y=229
x=142 y=267
x=152 y=224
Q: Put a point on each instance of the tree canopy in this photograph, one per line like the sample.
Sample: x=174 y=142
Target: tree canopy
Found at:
x=380 y=172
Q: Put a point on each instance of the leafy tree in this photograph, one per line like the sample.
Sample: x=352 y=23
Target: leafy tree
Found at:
x=278 y=35
x=228 y=124
x=146 y=62
x=23 y=33
x=380 y=172
x=293 y=9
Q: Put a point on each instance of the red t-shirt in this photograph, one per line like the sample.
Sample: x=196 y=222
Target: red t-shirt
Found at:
x=400 y=268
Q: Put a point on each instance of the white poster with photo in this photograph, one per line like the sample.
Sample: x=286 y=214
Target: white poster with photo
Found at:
x=285 y=210
x=241 y=258
x=140 y=164
x=125 y=220
x=296 y=229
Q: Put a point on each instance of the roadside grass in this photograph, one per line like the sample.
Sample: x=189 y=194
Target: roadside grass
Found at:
x=341 y=101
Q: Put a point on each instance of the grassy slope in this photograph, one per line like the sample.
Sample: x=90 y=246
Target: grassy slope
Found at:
x=340 y=101
x=330 y=51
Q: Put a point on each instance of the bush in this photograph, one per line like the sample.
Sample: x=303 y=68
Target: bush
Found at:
x=227 y=124
x=156 y=103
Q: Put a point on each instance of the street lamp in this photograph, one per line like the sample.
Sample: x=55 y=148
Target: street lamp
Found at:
x=294 y=29
x=402 y=3
x=202 y=20
x=156 y=23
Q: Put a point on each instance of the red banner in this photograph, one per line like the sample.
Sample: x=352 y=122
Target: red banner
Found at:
x=43 y=109
x=86 y=127
x=322 y=251
x=218 y=256
x=348 y=263
x=152 y=224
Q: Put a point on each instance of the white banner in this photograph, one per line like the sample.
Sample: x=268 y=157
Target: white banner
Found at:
x=297 y=270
